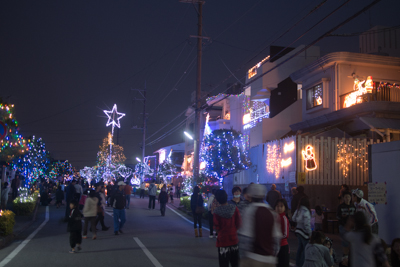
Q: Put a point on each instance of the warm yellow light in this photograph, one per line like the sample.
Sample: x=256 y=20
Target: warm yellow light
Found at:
x=360 y=88
x=246 y=118
x=319 y=101
x=288 y=147
x=202 y=165
x=308 y=156
x=286 y=162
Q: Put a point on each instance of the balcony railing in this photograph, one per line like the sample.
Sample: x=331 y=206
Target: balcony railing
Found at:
x=380 y=92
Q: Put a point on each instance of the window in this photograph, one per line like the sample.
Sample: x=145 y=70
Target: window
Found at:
x=314 y=96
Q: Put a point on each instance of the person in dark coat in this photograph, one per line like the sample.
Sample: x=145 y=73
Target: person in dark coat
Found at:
x=59 y=196
x=272 y=196
x=197 y=201
x=75 y=227
x=70 y=193
x=118 y=203
x=163 y=199
x=296 y=198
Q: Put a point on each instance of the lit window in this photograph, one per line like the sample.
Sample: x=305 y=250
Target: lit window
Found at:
x=314 y=96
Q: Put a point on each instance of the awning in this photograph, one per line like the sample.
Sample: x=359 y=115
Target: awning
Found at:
x=381 y=123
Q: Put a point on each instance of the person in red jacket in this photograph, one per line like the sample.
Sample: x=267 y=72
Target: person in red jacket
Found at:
x=281 y=207
x=226 y=222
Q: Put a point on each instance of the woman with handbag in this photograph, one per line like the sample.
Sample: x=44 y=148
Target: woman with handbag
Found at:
x=196 y=203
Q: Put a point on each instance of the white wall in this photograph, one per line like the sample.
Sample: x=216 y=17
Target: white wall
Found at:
x=385 y=159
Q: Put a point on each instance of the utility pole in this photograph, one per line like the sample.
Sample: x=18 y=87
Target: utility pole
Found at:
x=143 y=93
x=197 y=117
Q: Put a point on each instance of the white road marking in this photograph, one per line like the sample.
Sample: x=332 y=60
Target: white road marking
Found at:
x=25 y=242
x=148 y=253
x=185 y=218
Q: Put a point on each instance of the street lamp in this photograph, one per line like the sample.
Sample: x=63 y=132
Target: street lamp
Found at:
x=188 y=135
x=138 y=159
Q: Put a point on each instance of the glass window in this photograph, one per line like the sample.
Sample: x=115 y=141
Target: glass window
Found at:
x=314 y=96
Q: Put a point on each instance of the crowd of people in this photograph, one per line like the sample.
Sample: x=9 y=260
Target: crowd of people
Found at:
x=252 y=229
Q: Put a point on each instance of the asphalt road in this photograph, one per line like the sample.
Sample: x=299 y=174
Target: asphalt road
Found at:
x=148 y=240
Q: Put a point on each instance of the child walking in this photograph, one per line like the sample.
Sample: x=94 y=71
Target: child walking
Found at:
x=281 y=207
x=319 y=217
x=75 y=227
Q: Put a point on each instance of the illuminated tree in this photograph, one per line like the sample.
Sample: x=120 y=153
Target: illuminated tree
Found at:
x=223 y=153
x=60 y=168
x=13 y=144
x=117 y=156
x=35 y=161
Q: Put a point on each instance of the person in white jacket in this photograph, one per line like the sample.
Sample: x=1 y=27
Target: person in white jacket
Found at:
x=367 y=208
x=302 y=216
x=90 y=213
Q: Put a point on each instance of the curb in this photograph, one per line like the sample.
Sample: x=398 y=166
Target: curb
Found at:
x=5 y=241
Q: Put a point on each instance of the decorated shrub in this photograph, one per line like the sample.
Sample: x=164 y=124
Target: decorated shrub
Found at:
x=7 y=222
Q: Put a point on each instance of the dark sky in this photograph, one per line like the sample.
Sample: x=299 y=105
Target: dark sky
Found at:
x=63 y=62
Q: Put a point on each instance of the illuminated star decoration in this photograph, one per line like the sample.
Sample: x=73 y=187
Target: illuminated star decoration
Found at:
x=113 y=117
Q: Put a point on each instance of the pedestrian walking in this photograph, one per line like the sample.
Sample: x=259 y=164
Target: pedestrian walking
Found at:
x=260 y=235
x=303 y=228
x=70 y=193
x=365 y=247
x=163 y=199
x=296 y=199
x=236 y=193
x=273 y=195
x=171 y=193
x=118 y=204
x=4 y=195
x=316 y=254
x=196 y=204
x=101 y=207
x=89 y=213
x=211 y=212
x=15 y=184
x=178 y=190
x=367 y=208
x=75 y=227
x=78 y=191
x=318 y=218
x=59 y=197
x=344 y=188
x=344 y=211
x=152 y=195
x=281 y=207
x=128 y=192
x=142 y=189
x=227 y=221
x=395 y=253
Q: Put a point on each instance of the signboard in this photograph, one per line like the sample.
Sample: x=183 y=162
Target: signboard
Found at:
x=292 y=177
x=377 y=193
x=301 y=178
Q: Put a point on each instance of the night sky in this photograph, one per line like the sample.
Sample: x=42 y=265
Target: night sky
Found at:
x=63 y=62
